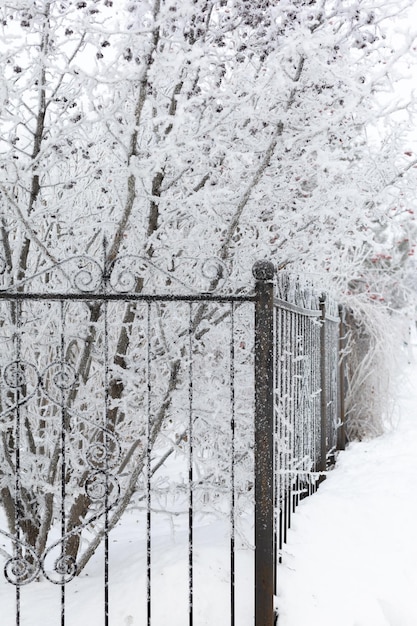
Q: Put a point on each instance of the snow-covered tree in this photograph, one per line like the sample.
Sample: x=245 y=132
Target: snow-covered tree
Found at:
x=195 y=134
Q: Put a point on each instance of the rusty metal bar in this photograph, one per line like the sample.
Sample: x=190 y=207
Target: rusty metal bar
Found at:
x=263 y=272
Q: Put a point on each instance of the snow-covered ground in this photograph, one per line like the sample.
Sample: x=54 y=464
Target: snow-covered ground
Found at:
x=351 y=557
x=350 y=560
x=84 y=596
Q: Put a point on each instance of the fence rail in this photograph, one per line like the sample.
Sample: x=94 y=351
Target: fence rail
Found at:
x=170 y=399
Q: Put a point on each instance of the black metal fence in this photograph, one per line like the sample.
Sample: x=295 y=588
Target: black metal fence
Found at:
x=309 y=396
x=299 y=391
x=116 y=403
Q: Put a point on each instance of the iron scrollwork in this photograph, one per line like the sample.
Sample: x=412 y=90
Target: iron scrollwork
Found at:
x=24 y=567
x=48 y=384
x=22 y=381
x=125 y=274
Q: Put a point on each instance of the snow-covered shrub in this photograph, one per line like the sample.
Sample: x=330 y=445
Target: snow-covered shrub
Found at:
x=374 y=353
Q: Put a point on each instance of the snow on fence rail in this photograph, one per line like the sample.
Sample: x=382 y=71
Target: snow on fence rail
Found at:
x=168 y=408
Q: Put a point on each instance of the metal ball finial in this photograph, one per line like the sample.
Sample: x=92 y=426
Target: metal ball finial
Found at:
x=263 y=270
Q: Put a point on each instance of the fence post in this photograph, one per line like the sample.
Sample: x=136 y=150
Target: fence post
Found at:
x=342 y=333
x=263 y=272
x=323 y=385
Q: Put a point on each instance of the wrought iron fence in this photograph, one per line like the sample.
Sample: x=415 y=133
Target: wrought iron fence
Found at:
x=299 y=412
x=309 y=395
x=176 y=406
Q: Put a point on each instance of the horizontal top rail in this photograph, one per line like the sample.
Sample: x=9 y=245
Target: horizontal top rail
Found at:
x=125 y=297
x=282 y=304
x=332 y=318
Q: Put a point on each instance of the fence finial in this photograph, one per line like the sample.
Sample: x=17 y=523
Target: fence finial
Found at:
x=263 y=270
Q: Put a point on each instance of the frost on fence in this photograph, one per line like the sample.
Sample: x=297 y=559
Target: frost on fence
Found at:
x=307 y=406
x=298 y=290
x=298 y=388
x=127 y=274
x=107 y=405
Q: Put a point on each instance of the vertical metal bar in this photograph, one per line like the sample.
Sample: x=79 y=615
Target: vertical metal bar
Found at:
x=291 y=361
x=288 y=421
x=232 y=464
x=299 y=415
x=323 y=383
x=106 y=452
x=317 y=406
x=190 y=473
x=106 y=277
x=309 y=449
x=263 y=272
x=312 y=405
x=148 y=471
x=332 y=350
x=341 y=391
x=285 y=422
x=277 y=517
x=305 y=408
x=63 y=462
x=334 y=380
x=284 y=419
x=279 y=428
x=294 y=397
x=17 y=506
x=313 y=401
